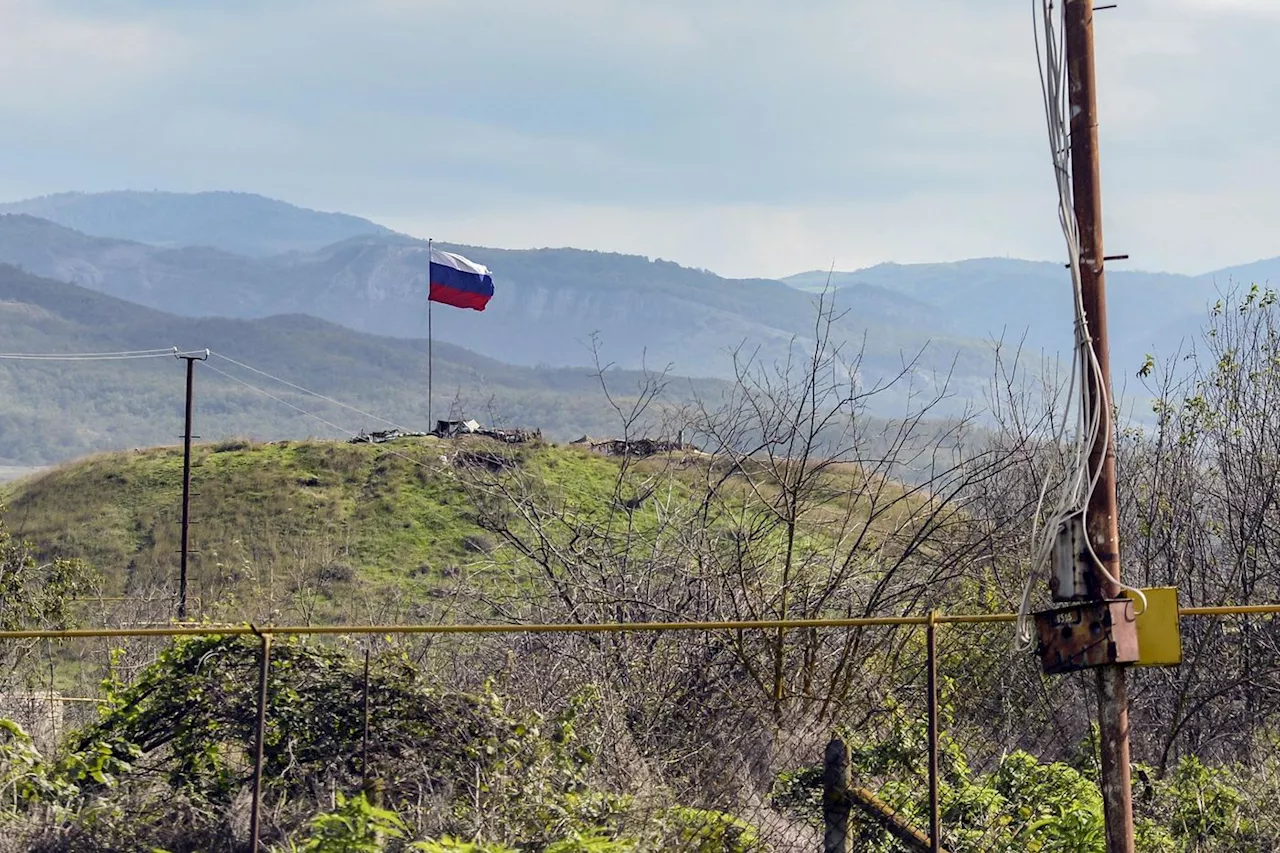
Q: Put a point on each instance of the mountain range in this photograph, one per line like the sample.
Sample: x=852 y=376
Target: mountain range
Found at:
x=240 y=255
x=339 y=301
x=551 y=302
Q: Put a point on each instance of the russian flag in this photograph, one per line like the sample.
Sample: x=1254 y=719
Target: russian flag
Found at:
x=459 y=282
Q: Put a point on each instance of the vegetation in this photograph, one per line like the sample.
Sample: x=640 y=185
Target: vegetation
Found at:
x=285 y=531
x=799 y=506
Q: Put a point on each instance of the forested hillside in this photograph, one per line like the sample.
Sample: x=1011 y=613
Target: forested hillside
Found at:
x=551 y=303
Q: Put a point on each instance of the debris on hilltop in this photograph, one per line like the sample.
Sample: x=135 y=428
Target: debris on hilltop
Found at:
x=637 y=448
x=382 y=436
x=512 y=435
x=451 y=429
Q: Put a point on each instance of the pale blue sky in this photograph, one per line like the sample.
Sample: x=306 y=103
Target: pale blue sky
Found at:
x=746 y=136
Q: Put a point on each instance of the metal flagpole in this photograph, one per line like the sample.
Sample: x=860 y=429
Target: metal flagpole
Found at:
x=431 y=424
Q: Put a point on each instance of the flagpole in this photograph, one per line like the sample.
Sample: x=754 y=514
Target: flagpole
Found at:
x=431 y=425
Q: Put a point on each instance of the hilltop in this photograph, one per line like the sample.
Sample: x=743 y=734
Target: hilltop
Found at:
x=303 y=529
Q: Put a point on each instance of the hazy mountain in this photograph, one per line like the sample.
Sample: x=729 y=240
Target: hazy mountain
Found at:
x=55 y=410
x=203 y=255
x=549 y=302
x=243 y=223
x=995 y=297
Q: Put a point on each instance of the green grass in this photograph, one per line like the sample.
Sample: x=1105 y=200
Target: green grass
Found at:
x=266 y=517
x=299 y=531
x=336 y=522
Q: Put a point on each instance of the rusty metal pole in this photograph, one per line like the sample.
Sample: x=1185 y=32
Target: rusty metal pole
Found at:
x=1102 y=530
x=935 y=808
x=260 y=732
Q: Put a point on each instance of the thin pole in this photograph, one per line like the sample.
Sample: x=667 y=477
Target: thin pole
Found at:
x=431 y=425
x=1101 y=523
x=186 y=481
x=935 y=808
x=364 y=741
x=260 y=732
x=186 y=492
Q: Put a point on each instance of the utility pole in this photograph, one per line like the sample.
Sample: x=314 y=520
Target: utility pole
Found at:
x=191 y=360
x=1101 y=526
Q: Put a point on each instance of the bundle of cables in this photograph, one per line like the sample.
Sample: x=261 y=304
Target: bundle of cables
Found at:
x=1092 y=424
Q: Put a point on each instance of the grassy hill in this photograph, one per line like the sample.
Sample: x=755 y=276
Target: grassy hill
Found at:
x=50 y=411
x=295 y=531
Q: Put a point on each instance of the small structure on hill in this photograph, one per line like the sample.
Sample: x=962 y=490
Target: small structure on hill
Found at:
x=513 y=435
x=381 y=436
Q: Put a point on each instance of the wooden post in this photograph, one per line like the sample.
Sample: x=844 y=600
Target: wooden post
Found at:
x=836 y=801
x=364 y=739
x=186 y=480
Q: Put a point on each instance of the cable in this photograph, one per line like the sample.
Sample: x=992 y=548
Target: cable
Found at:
x=1093 y=422
x=1051 y=66
x=303 y=411
x=90 y=356
x=298 y=409
x=308 y=391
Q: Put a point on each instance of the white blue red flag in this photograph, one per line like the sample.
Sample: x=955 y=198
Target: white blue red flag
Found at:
x=459 y=282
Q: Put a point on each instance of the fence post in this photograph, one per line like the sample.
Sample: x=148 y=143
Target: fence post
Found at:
x=836 y=801
x=364 y=738
x=935 y=810
x=259 y=741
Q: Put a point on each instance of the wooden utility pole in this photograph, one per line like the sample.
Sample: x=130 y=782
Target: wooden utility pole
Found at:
x=186 y=479
x=1101 y=526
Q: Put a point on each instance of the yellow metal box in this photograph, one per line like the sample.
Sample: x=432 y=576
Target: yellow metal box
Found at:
x=1159 y=634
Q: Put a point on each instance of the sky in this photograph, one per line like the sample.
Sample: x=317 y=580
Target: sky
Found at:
x=749 y=137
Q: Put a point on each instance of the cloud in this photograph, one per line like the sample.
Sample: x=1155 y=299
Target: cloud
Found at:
x=723 y=134
x=51 y=63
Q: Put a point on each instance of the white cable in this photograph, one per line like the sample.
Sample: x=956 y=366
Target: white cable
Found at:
x=308 y=391
x=89 y=356
x=298 y=409
x=303 y=411
x=1093 y=423
x=1051 y=68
